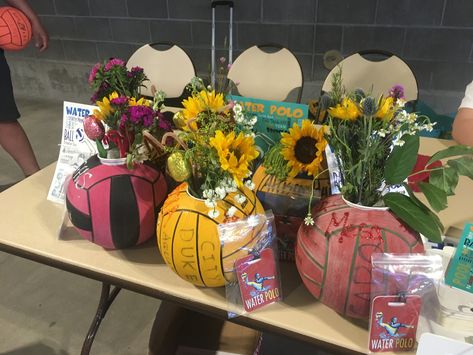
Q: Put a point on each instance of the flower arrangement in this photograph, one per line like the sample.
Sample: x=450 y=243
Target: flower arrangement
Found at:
x=375 y=142
x=300 y=151
x=128 y=118
x=216 y=145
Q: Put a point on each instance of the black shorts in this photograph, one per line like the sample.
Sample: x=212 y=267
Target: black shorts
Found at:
x=8 y=110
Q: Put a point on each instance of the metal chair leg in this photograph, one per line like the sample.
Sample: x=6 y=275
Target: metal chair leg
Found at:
x=106 y=299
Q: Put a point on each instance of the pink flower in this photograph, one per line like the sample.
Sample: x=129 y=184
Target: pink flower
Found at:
x=119 y=101
x=114 y=62
x=93 y=72
x=141 y=115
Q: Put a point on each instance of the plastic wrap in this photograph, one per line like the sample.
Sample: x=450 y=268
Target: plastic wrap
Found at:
x=254 y=280
x=403 y=290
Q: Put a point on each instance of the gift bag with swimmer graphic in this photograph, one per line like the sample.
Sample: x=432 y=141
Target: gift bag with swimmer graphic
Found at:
x=403 y=289
x=256 y=281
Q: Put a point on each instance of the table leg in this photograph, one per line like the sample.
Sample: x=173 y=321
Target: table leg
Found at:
x=106 y=299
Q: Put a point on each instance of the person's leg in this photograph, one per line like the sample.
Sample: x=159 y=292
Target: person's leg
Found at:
x=14 y=140
x=12 y=136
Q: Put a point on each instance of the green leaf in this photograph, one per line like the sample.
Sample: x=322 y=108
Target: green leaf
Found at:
x=413 y=215
x=463 y=166
x=450 y=152
x=436 y=197
x=401 y=161
x=445 y=179
x=100 y=149
x=424 y=207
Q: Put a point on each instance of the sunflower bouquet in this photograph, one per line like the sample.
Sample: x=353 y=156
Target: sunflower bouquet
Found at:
x=375 y=144
x=123 y=118
x=215 y=147
x=298 y=154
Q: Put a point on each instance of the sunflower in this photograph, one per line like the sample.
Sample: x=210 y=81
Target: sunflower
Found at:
x=105 y=110
x=347 y=110
x=235 y=153
x=303 y=148
x=141 y=102
x=386 y=109
x=204 y=101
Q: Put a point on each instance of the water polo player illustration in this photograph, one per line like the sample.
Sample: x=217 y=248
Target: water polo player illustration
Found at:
x=392 y=328
x=257 y=284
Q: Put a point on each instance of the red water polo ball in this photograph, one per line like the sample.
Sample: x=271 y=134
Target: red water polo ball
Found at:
x=15 y=29
x=113 y=206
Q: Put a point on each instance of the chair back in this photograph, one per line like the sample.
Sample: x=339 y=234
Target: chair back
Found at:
x=377 y=76
x=169 y=69
x=264 y=75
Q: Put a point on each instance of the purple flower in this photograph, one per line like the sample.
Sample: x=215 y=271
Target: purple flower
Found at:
x=114 y=62
x=119 y=101
x=93 y=72
x=396 y=92
x=141 y=115
x=135 y=71
x=163 y=123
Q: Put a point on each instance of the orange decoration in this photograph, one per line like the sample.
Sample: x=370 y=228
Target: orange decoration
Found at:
x=333 y=256
x=188 y=237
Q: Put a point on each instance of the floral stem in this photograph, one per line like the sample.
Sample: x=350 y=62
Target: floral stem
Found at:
x=424 y=171
x=312 y=191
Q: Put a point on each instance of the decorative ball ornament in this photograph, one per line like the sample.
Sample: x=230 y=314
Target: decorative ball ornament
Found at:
x=15 y=29
x=93 y=128
x=288 y=200
x=113 y=206
x=188 y=238
x=178 y=167
x=333 y=256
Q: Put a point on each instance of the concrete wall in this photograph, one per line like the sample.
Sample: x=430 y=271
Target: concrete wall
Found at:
x=434 y=36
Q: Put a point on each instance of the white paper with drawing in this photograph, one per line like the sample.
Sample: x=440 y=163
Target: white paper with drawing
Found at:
x=75 y=149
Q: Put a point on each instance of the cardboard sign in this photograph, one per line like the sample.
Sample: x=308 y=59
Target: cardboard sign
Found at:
x=460 y=271
x=274 y=117
x=75 y=149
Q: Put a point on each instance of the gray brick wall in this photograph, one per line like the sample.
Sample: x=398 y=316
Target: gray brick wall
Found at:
x=434 y=36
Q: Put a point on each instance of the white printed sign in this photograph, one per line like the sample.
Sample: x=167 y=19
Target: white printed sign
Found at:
x=76 y=148
x=336 y=177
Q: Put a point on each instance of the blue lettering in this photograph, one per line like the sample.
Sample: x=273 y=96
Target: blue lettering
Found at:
x=76 y=111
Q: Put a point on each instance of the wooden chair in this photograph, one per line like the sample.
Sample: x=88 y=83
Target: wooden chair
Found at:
x=268 y=75
x=167 y=67
x=359 y=70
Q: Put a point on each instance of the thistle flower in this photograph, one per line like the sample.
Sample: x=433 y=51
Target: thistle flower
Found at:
x=359 y=94
x=396 y=92
x=368 y=105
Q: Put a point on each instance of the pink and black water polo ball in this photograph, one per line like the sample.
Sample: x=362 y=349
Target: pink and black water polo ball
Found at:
x=113 y=206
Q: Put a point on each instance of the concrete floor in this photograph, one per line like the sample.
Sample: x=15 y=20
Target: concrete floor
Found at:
x=45 y=311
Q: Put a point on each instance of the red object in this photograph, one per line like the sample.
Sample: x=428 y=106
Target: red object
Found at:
x=421 y=165
x=393 y=324
x=15 y=29
x=258 y=280
x=333 y=257
x=113 y=206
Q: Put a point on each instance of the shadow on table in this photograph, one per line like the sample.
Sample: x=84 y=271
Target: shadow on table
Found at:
x=35 y=349
x=146 y=253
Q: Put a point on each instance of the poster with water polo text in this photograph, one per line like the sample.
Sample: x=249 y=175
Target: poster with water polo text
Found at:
x=75 y=147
